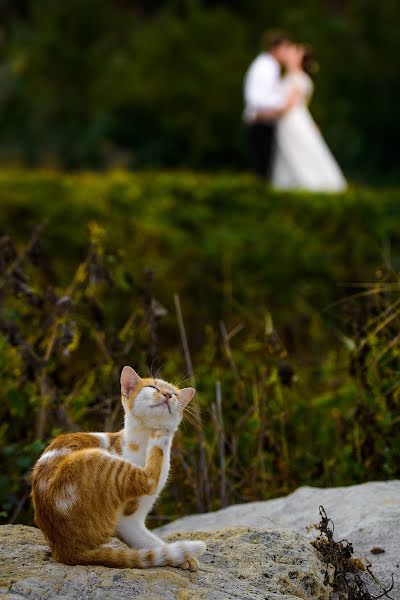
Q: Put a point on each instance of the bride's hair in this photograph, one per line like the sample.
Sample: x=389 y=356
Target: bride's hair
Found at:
x=273 y=38
x=310 y=65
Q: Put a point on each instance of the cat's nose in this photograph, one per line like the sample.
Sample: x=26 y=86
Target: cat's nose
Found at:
x=167 y=395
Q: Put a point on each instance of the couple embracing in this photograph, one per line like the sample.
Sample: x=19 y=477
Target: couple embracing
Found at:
x=286 y=144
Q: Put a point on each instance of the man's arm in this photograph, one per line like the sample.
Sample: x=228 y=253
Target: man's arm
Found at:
x=276 y=113
x=262 y=91
x=265 y=100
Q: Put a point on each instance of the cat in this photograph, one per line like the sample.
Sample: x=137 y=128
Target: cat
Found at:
x=87 y=487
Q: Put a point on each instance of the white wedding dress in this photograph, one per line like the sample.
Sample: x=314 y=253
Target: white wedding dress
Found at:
x=302 y=157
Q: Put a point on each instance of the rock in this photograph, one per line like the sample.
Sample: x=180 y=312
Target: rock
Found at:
x=368 y=515
x=240 y=563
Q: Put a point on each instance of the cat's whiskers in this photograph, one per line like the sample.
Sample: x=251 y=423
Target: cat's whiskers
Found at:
x=191 y=418
x=150 y=372
x=178 y=383
x=157 y=372
x=193 y=415
x=194 y=408
x=150 y=369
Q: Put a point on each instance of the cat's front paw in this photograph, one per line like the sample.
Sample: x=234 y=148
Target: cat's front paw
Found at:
x=192 y=564
x=156 y=434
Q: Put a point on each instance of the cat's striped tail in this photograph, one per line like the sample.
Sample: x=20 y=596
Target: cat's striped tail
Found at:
x=172 y=555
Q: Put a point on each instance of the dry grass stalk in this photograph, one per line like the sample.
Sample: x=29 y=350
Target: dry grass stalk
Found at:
x=204 y=477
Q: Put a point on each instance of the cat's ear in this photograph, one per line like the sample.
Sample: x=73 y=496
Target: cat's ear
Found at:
x=129 y=380
x=186 y=395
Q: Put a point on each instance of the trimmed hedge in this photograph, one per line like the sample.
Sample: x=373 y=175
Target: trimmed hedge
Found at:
x=214 y=239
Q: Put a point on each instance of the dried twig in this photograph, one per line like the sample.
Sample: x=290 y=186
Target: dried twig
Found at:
x=182 y=332
x=227 y=347
x=22 y=255
x=347 y=581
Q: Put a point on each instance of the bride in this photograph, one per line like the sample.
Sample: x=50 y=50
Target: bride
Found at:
x=302 y=157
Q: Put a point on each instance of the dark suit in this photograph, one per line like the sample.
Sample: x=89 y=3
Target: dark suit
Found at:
x=261 y=137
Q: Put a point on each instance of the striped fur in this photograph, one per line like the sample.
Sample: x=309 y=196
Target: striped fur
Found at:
x=168 y=555
x=87 y=487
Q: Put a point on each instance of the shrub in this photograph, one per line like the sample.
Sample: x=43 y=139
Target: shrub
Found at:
x=94 y=289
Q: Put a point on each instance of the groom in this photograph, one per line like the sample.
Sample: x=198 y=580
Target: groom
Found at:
x=264 y=101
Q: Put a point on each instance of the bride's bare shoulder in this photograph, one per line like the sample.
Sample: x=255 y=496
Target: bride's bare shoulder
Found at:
x=301 y=81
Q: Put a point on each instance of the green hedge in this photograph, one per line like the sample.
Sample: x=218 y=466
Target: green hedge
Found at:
x=304 y=400
x=214 y=240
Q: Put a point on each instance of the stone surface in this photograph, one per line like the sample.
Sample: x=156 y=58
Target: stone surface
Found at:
x=368 y=515
x=240 y=564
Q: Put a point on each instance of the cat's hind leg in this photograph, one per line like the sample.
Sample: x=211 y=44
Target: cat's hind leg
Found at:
x=134 y=533
x=168 y=555
x=131 y=527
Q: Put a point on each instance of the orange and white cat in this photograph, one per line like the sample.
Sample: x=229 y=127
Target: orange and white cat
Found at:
x=87 y=487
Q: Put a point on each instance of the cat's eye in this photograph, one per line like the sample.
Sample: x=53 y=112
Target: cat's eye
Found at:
x=154 y=387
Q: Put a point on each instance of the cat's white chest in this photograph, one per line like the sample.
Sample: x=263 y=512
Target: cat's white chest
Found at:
x=136 y=457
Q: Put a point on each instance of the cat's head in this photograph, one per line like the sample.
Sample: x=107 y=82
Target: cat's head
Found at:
x=154 y=402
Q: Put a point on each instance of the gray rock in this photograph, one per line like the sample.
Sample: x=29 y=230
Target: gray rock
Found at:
x=368 y=515
x=241 y=564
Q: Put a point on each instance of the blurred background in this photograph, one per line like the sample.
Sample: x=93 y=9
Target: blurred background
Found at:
x=131 y=229
x=99 y=83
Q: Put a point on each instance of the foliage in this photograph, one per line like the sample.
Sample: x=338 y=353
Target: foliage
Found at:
x=295 y=385
x=97 y=83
